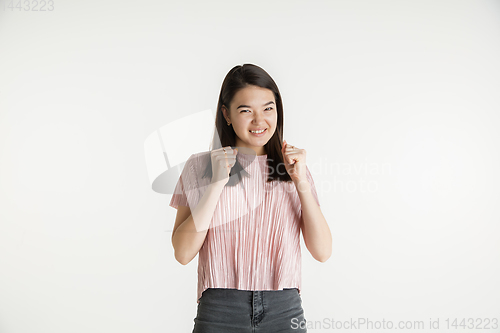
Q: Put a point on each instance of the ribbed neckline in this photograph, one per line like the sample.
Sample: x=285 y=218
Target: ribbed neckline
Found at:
x=252 y=157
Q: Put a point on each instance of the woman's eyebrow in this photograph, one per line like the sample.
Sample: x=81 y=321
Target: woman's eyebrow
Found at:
x=248 y=106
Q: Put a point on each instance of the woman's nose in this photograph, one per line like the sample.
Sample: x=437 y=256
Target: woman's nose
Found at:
x=258 y=117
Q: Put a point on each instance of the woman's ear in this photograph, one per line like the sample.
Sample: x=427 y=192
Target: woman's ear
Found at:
x=225 y=112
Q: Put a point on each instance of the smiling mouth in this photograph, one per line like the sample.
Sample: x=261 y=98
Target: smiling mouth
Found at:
x=260 y=132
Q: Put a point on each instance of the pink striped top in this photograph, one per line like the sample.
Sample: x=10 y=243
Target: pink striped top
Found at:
x=253 y=242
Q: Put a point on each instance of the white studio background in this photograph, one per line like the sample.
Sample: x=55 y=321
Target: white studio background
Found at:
x=396 y=103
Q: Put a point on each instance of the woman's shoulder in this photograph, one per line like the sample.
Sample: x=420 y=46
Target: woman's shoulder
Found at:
x=198 y=161
x=200 y=157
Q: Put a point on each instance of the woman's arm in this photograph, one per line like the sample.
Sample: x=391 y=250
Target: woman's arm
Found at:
x=315 y=230
x=189 y=234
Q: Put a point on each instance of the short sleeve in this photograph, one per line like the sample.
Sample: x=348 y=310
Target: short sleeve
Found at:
x=186 y=190
x=311 y=183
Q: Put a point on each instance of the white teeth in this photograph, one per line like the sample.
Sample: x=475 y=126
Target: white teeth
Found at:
x=258 y=131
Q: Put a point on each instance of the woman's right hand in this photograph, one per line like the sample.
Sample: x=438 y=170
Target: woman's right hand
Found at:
x=222 y=162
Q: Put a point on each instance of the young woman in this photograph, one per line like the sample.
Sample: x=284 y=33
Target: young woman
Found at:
x=241 y=206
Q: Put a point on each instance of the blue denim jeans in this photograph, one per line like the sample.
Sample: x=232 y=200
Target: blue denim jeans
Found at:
x=222 y=310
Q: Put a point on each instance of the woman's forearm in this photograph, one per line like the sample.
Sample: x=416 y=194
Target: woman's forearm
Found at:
x=190 y=235
x=315 y=229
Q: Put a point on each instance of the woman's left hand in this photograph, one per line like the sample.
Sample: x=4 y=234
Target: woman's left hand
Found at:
x=295 y=162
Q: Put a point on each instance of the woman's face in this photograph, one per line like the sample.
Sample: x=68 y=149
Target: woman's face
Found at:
x=252 y=108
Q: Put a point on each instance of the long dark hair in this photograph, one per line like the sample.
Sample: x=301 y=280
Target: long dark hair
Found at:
x=239 y=77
